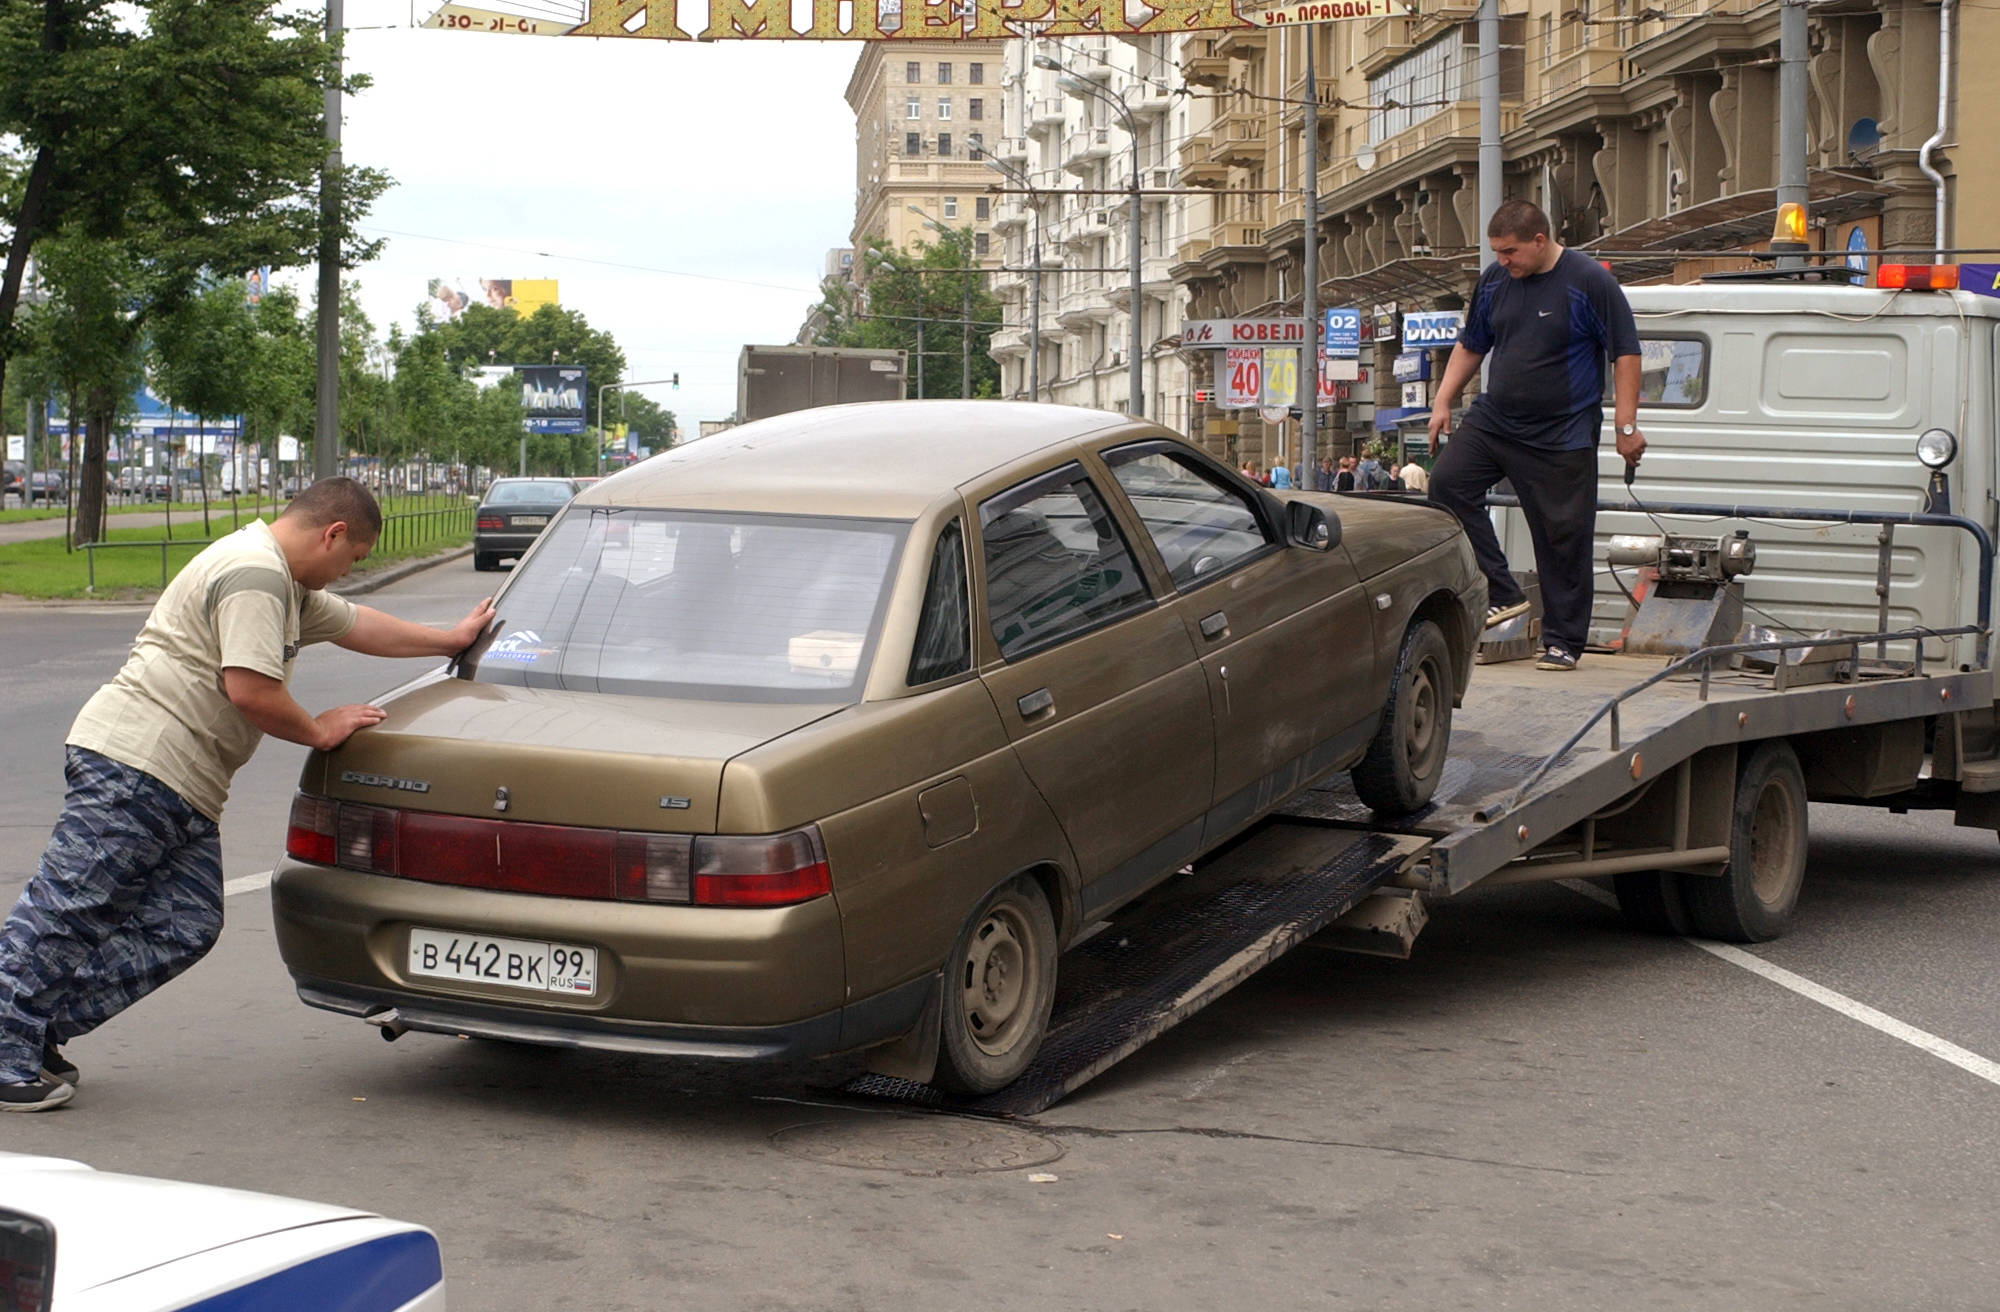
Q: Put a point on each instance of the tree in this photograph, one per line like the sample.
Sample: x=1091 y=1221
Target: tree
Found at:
x=923 y=289
x=553 y=334
x=204 y=353
x=644 y=417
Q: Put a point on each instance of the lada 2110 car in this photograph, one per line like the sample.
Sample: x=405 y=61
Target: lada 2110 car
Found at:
x=831 y=731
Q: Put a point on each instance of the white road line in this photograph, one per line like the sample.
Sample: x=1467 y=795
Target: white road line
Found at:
x=1943 y=1049
x=246 y=884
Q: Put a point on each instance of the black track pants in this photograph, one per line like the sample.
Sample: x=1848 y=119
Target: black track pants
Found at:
x=1558 y=491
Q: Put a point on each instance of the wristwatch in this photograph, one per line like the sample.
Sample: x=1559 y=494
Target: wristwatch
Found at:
x=1626 y=430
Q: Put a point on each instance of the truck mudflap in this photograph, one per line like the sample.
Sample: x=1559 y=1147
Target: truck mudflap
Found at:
x=1168 y=955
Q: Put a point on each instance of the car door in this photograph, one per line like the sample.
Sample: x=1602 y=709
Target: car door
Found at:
x=1097 y=682
x=1285 y=633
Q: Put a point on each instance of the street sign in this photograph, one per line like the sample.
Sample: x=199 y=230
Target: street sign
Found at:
x=17 y=447
x=1243 y=377
x=1342 y=333
x=1200 y=333
x=1317 y=11
x=1411 y=366
x=1432 y=327
x=1275 y=414
x=1204 y=395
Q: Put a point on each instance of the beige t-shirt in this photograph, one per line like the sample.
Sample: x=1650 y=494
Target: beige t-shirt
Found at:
x=166 y=712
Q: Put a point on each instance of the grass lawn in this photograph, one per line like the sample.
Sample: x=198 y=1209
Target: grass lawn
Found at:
x=42 y=569
x=245 y=508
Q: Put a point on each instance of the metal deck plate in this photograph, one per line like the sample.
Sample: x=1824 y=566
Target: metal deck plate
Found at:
x=1183 y=946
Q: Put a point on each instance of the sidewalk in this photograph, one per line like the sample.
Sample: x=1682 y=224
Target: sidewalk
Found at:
x=35 y=529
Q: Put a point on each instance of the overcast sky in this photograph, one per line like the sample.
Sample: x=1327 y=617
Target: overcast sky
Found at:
x=733 y=160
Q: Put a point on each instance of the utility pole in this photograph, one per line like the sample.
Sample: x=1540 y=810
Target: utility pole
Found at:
x=1135 y=404
x=965 y=327
x=1490 y=164
x=1792 y=188
x=326 y=413
x=1309 y=350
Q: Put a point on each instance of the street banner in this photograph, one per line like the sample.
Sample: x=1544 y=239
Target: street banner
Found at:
x=1243 y=377
x=1197 y=334
x=553 y=397
x=889 y=20
x=1281 y=376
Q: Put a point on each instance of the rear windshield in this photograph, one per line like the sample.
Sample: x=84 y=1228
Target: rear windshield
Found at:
x=715 y=607
x=530 y=491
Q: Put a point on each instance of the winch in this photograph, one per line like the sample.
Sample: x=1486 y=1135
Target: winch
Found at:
x=1689 y=592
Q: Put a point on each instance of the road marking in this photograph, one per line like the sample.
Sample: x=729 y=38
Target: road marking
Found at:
x=1943 y=1049
x=246 y=884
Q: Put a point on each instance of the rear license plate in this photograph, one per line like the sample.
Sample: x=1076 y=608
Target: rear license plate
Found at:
x=530 y=521
x=510 y=962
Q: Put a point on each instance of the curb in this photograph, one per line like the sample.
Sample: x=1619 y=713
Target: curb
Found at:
x=397 y=573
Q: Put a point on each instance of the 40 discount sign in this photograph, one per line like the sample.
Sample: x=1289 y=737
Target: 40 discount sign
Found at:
x=1243 y=378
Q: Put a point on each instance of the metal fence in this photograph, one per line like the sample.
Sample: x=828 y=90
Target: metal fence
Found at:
x=90 y=550
x=412 y=528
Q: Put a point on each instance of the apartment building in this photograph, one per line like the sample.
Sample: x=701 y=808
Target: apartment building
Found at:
x=1638 y=128
x=1073 y=136
x=924 y=116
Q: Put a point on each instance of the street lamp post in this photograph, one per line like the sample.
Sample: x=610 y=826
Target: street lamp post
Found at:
x=1035 y=284
x=1135 y=361
x=622 y=387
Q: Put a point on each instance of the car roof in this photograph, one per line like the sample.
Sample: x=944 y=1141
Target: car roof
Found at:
x=883 y=459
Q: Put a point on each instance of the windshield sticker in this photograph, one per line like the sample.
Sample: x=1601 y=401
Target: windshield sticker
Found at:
x=522 y=646
x=825 y=651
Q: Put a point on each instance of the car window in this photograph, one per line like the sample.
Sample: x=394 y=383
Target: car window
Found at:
x=1673 y=373
x=944 y=630
x=532 y=491
x=1056 y=563
x=1201 y=525
x=689 y=604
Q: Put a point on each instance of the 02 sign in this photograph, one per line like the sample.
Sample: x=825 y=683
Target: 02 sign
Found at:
x=1243 y=378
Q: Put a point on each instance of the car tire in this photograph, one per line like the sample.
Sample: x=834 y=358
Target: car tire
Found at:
x=999 y=984
x=1406 y=759
x=1753 y=901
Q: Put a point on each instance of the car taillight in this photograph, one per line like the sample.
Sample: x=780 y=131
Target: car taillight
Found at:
x=310 y=834
x=651 y=867
x=490 y=521
x=1918 y=277
x=768 y=871
x=367 y=838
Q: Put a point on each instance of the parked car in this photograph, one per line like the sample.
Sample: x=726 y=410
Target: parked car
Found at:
x=48 y=485
x=13 y=481
x=513 y=514
x=78 y=1240
x=834 y=729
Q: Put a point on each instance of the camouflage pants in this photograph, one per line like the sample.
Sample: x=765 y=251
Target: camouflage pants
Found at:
x=128 y=896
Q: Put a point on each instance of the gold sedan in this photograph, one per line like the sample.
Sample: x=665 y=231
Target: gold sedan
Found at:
x=830 y=732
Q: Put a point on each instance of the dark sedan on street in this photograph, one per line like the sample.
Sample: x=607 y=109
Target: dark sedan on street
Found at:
x=513 y=514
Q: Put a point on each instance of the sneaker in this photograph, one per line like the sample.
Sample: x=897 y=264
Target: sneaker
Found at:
x=55 y=1068
x=41 y=1095
x=1555 y=658
x=1498 y=615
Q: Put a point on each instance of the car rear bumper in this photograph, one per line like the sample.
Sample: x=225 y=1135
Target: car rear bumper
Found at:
x=506 y=544
x=746 y=983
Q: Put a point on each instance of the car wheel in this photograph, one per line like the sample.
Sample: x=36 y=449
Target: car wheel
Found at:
x=999 y=984
x=1404 y=763
x=1753 y=901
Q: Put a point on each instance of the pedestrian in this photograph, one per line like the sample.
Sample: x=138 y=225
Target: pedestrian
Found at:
x=1343 y=480
x=1367 y=474
x=1323 y=482
x=1281 y=476
x=1416 y=478
x=129 y=891
x=1549 y=318
x=1393 y=476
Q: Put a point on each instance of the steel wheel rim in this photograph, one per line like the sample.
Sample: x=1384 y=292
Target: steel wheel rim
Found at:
x=997 y=990
x=1422 y=739
x=1773 y=835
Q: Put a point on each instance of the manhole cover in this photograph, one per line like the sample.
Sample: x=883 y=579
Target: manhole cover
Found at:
x=920 y=1145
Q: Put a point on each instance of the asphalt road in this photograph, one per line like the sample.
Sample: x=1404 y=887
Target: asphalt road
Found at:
x=1538 y=1110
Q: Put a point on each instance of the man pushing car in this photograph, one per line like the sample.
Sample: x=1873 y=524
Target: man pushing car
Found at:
x=129 y=892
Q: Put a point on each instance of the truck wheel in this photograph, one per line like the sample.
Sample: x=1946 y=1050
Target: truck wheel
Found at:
x=999 y=984
x=1653 y=902
x=1403 y=764
x=1767 y=853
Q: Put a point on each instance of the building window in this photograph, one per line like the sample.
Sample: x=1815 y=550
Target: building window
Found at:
x=981 y=244
x=975 y=145
x=975 y=74
x=913 y=143
x=975 y=108
x=982 y=207
x=913 y=72
x=944 y=75
x=944 y=145
x=944 y=106
x=913 y=108
x=951 y=207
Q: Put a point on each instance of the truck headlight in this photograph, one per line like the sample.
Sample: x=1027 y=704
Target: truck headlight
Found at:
x=1937 y=447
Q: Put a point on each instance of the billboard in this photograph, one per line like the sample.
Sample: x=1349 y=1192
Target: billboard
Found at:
x=889 y=20
x=552 y=394
x=521 y=295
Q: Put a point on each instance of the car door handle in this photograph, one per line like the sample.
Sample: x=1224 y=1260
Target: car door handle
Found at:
x=1214 y=626
x=1036 y=702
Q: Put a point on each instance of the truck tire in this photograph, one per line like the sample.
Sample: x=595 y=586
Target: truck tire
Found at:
x=1753 y=901
x=999 y=984
x=1653 y=902
x=1404 y=763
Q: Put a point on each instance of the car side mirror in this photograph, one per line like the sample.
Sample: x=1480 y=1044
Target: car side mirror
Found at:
x=27 y=1262
x=1310 y=527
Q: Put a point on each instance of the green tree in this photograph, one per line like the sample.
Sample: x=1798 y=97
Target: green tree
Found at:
x=204 y=353
x=644 y=416
x=919 y=295
x=553 y=334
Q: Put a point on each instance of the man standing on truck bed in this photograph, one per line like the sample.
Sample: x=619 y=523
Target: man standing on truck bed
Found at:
x=1549 y=317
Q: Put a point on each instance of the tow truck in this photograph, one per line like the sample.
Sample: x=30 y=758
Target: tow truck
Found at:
x=1794 y=605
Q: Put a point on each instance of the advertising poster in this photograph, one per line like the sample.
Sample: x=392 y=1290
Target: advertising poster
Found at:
x=1281 y=376
x=1243 y=377
x=553 y=397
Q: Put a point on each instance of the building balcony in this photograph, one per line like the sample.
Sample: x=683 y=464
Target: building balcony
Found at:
x=1591 y=66
x=1081 y=150
x=1046 y=113
x=1459 y=119
x=1383 y=42
x=1011 y=150
x=1149 y=98
x=1197 y=170
x=1240 y=42
x=1206 y=70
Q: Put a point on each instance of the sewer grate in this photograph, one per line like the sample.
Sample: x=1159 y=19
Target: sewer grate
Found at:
x=918 y=1145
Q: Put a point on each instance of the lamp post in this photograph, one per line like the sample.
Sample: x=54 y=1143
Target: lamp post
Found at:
x=622 y=387
x=1035 y=285
x=965 y=314
x=326 y=337
x=1135 y=362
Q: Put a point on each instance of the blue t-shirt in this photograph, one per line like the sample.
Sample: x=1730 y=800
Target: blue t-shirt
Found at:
x=1548 y=335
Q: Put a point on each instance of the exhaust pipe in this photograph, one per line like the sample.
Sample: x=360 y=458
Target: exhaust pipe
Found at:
x=390 y=1022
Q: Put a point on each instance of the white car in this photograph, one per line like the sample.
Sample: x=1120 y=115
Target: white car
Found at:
x=77 y=1240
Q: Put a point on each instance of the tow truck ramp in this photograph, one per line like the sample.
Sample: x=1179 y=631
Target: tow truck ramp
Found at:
x=1168 y=955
